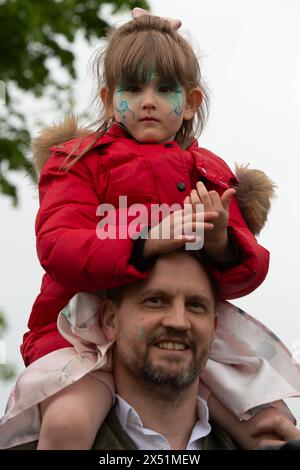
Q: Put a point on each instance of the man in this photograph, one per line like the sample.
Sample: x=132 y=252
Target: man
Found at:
x=163 y=328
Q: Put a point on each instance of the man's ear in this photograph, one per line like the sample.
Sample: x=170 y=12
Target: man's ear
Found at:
x=108 y=320
x=193 y=101
x=104 y=93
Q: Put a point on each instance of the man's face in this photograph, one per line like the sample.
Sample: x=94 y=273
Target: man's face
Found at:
x=164 y=326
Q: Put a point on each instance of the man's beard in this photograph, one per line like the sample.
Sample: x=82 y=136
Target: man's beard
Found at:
x=159 y=375
x=161 y=380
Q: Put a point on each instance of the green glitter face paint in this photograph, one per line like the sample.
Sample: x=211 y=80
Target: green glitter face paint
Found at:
x=151 y=111
x=176 y=100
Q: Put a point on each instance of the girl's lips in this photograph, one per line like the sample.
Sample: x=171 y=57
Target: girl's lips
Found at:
x=149 y=119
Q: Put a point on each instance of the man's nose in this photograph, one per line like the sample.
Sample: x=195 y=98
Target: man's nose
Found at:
x=177 y=318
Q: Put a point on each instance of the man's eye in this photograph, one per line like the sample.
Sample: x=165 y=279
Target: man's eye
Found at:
x=154 y=301
x=197 y=306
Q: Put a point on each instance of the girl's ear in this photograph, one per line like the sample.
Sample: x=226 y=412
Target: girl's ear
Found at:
x=104 y=97
x=193 y=101
x=104 y=94
x=108 y=320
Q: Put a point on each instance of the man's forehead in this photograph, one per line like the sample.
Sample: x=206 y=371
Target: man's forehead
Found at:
x=175 y=291
x=173 y=285
x=173 y=273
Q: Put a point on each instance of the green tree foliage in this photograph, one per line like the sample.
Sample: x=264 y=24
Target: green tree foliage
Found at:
x=7 y=371
x=32 y=33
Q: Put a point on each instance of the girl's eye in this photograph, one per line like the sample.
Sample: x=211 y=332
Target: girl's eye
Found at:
x=132 y=88
x=166 y=89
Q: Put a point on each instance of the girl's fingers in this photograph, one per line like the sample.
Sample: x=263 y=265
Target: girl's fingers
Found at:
x=208 y=226
x=216 y=201
x=194 y=197
x=175 y=24
x=221 y=203
x=191 y=228
x=188 y=238
x=199 y=216
x=171 y=227
x=280 y=425
x=211 y=200
x=266 y=425
x=204 y=196
x=181 y=240
x=269 y=443
x=226 y=198
x=136 y=12
x=198 y=226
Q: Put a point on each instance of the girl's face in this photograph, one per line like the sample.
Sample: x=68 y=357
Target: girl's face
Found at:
x=152 y=111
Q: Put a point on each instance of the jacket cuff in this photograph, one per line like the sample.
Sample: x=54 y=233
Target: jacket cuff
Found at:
x=137 y=258
x=236 y=258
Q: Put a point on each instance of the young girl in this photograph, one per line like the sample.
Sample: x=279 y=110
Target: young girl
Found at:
x=145 y=149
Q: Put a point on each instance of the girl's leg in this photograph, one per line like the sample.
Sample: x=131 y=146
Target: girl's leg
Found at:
x=72 y=417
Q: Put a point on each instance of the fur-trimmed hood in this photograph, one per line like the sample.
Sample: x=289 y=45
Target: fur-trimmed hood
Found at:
x=254 y=192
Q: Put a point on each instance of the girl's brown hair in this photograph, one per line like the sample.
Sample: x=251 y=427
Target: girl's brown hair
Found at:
x=132 y=53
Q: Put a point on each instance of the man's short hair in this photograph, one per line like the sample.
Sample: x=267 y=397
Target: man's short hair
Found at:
x=116 y=294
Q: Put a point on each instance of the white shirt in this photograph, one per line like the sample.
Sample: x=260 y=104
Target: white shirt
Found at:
x=146 y=439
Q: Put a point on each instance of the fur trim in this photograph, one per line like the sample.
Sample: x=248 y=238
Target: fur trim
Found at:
x=254 y=194
x=57 y=134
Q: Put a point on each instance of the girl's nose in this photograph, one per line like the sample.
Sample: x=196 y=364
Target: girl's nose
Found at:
x=148 y=101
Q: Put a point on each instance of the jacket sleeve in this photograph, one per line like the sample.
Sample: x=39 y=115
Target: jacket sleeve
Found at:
x=67 y=242
x=42 y=341
x=246 y=276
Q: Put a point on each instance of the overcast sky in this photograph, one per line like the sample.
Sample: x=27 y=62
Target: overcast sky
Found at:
x=251 y=63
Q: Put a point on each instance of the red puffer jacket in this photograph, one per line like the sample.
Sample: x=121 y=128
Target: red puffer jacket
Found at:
x=75 y=259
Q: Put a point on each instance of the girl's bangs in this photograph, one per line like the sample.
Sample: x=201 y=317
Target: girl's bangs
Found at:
x=140 y=62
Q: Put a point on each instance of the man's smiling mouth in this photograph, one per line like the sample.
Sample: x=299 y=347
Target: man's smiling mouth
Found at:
x=172 y=346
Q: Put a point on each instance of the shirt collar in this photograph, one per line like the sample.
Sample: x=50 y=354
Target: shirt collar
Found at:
x=129 y=420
